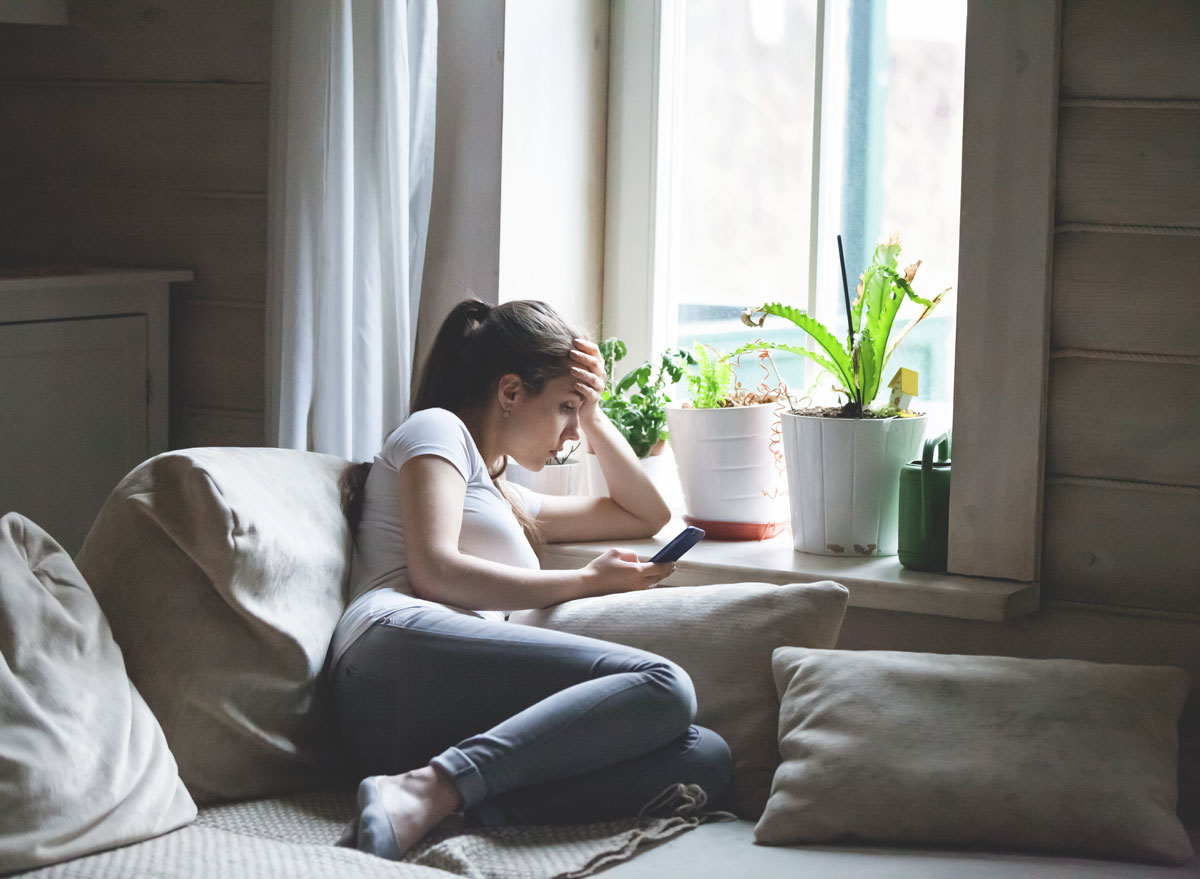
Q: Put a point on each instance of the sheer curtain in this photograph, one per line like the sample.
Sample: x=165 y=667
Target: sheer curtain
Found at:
x=352 y=118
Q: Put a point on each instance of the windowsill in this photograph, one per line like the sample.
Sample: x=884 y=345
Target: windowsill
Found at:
x=878 y=583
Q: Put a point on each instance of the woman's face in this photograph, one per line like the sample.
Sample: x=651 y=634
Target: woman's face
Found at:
x=539 y=425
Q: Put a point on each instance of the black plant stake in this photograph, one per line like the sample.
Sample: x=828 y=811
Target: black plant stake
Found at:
x=849 y=314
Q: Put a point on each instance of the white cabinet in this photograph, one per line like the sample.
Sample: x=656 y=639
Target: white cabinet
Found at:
x=83 y=390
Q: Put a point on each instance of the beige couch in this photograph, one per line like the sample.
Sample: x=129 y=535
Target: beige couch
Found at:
x=222 y=572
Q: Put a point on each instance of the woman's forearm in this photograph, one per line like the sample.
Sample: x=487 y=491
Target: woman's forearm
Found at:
x=628 y=485
x=478 y=584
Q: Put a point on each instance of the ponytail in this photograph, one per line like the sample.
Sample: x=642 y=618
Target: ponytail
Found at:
x=446 y=372
x=351 y=487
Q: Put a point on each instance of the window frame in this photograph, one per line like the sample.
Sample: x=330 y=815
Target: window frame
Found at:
x=1005 y=252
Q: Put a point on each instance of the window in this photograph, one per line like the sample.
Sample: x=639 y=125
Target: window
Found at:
x=1007 y=224
x=749 y=210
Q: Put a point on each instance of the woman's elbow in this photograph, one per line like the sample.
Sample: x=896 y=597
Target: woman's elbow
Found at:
x=657 y=520
x=427 y=573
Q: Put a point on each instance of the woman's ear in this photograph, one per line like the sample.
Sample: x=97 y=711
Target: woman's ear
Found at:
x=509 y=390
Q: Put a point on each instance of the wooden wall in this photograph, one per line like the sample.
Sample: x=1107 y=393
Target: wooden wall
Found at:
x=1123 y=420
x=137 y=136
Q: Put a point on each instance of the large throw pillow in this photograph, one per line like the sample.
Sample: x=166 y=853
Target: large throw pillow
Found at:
x=83 y=764
x=223 y=574
x=1051 y=755
x=722 y=636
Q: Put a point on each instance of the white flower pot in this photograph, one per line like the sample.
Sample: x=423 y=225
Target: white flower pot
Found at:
x=844 y=481
x=561 y=479
x=730 y=469
x=659 y=466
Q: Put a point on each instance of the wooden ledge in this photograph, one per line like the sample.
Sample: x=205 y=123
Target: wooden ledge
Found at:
x=876 y=583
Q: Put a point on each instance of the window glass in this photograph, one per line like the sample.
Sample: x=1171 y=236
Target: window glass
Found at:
x=742 y=199
x=742 y=169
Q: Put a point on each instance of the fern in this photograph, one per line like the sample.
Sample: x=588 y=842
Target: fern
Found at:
x=711 y=379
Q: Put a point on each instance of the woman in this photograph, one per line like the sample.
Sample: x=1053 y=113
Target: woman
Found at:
x=443 y=704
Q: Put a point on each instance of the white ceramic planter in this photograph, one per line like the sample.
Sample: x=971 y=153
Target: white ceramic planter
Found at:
x=660 y=467
x=844 y=481
x=727 y=466
x=561 y=479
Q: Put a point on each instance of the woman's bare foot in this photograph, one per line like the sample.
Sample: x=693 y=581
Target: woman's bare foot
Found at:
x=397 y=810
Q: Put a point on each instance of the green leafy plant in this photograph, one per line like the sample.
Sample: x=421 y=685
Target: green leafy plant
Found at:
x=711 y=379
x=859 y=365
x=636 y=404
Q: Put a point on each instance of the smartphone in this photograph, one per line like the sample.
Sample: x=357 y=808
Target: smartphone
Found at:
x=681 y=543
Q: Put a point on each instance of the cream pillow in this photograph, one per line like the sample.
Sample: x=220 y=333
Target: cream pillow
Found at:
x=1051 y=755
x=83 y=764
x=723 y=637
x=223 y=572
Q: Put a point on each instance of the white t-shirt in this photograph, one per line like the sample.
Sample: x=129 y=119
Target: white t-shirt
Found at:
x=379 y=568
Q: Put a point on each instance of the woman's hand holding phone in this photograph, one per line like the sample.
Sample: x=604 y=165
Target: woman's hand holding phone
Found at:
x=620 y=571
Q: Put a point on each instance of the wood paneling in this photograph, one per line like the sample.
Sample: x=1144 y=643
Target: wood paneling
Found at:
x=223 y=239
x=215 y=427
x=212 y=40
x=1129 y=166
x=1004 y=290
x=1119 y=49
x=137 y=136
x=1121 y=292
x=1124 y=420
x=1122 y=546
x=217 y=356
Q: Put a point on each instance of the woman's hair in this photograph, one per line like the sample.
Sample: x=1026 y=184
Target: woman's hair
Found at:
x=351 y=485
x=476 y=345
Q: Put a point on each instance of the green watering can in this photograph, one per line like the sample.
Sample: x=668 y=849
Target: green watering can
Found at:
x=925 y=508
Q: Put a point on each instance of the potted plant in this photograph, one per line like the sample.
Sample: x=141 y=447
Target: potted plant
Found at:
x=727 y=451
x=562 y=475
x=843 y=462
x=636 y=405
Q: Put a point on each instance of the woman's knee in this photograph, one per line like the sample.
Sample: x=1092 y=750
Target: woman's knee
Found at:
x=709 y=763
x=678 y=694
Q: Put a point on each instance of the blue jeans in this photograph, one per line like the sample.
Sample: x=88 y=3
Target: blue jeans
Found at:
x=533 y=726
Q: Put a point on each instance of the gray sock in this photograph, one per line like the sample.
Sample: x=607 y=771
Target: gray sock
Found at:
x=375 y=834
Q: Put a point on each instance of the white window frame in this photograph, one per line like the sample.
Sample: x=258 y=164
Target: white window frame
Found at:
x=1006 y=244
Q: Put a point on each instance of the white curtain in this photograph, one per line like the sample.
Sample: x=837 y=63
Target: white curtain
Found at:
x=351 y=175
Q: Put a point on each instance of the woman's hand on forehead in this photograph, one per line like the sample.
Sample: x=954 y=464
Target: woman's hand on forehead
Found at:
x=589 y=375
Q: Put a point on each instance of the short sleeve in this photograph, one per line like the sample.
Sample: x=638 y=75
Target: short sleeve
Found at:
x=530 y=501
x=432 y=432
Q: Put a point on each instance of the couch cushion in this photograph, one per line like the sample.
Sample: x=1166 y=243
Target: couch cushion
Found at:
x=83 y=763
x=723 y=637
x=199 y=852
x=721 y=851
x=223 y=574
x=1047 y=755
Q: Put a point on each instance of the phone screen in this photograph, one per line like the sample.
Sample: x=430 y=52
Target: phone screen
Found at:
x=681 y=543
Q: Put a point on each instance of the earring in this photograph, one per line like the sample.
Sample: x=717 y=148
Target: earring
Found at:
x=505 y=413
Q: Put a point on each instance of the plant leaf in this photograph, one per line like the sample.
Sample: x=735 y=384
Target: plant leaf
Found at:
x=916 y=320
x=837 y=353
x=870 y=369
x=823 y=362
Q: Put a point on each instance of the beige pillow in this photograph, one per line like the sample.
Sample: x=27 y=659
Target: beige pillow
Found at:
x=723 y=637
x=223 y=573
x=83 y=764
x=1052 y=755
